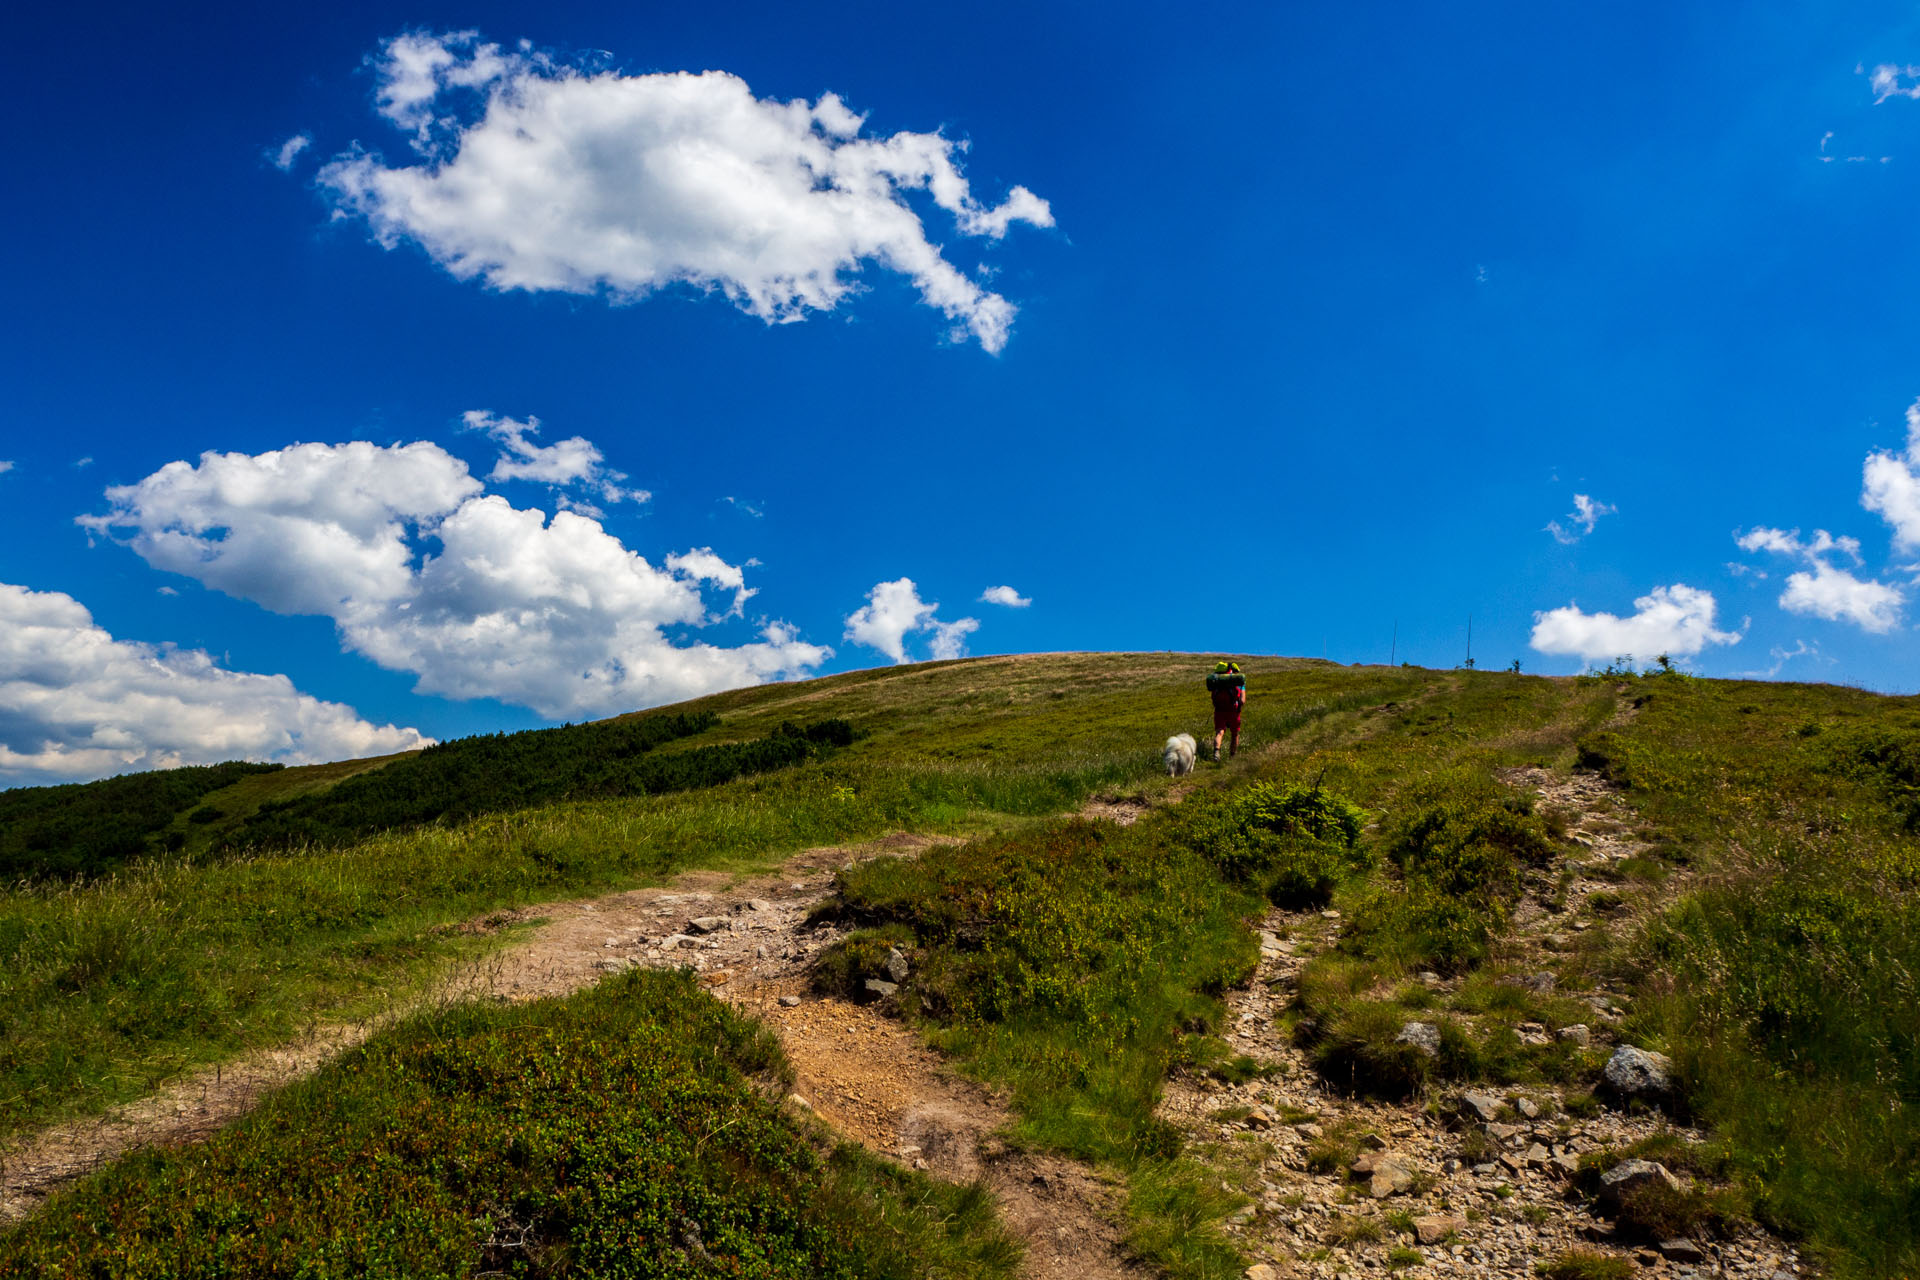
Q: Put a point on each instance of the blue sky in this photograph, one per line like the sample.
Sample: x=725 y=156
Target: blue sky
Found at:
x=541 y=382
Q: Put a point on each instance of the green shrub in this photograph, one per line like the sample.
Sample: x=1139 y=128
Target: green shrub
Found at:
x=498 y=773
x=87 y=828
x=1584 y=1264
x=632 y=1130
x=1297 y=843
x=1356 y=1047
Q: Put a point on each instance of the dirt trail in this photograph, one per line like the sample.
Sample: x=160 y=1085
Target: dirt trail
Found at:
x=1491 y=1195
x=866 y=1075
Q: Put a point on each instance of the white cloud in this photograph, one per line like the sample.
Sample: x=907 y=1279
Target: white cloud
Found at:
x=1005 y=596
x=1890 y=81
x=1838 y=596
x=575 y=460
x=556 y=615
x=1585 y=514
x=287 y=152
x=1828 y=592
x=744 y=507
x=894 y=610
x=1890 y=485
x=1676 y=620
x=950 y=638
x=77 y=703
x=5 y=467
x=1781 y=657
x=580 y=182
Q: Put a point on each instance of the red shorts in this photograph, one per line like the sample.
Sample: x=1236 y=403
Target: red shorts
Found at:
x=1226 y=718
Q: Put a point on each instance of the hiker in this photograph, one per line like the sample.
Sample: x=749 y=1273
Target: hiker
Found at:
x=1229 y=691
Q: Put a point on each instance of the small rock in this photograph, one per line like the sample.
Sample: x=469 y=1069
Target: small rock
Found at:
x=1504 y=1132
x=1330 y=915
x=1539 y=983
x=1243 y=1215
x=708 y=924
x=1423 y=1036
x=896 y=965
x=1429 y=977
x=1535 y=1039
x=790 y=1002
x=1373 y=1142
x=1308 y=1130
x=1682 y=1251
x=717 y=977
x=878 y=990
x=1514 y=1162
x=1564 y=1166
x=1646 y=1257
x=1630 y=1175
x=759 y=904
x=796 y=1100
x=1390 y=1177
x=1486 y=1170
x=1435 y=1227
x=1260 y=1118
x=1537 y=1156
x=1480 y=1106
x=1528 y=1108
x=1636 y=1073
x=673 y=940
x=1577 y=1034
x=1261 y=1271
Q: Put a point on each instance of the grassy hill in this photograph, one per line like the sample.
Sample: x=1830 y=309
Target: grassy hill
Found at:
x=1767 y=944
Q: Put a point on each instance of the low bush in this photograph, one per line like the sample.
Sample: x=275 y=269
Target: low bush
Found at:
x=1296 y=843
x=632 y=1130
x=88 y=828
x=503 y=772
x=1584 y=1264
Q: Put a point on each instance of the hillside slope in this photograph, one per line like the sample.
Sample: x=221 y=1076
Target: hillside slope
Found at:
x=1737 y=895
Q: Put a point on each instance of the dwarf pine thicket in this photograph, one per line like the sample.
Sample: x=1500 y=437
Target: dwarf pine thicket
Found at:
x=1768 y=938
x=87 y=827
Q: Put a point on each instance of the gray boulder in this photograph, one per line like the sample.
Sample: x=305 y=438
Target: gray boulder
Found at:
x=708 y=924
x=1479 y=1106
x=878 y=990
x=1636 y=1073
x=1423 y=1036
x=896 y=965
x=1630 y=1175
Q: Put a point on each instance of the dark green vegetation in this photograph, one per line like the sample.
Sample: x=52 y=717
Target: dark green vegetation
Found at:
x=88 y=827
x=504 y=772
x=631 y=1131
x=1768 y=939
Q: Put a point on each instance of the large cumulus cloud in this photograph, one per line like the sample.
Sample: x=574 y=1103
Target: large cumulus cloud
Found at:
x=422 y=571
x=581 y=182
x=77 y=703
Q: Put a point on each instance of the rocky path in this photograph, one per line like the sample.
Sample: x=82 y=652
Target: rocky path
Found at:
x=1472 y=1185
x=869 y=1078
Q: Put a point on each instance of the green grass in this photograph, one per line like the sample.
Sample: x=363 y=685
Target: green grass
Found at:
x=1584 y=1264
x=632 y=1130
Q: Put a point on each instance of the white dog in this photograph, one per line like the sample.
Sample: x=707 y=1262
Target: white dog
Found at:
x=1180 y=751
